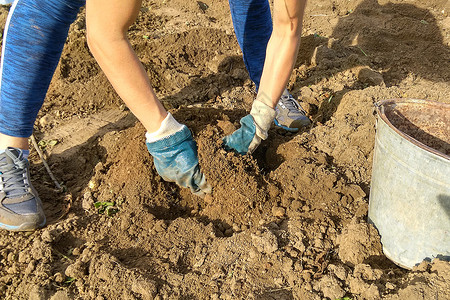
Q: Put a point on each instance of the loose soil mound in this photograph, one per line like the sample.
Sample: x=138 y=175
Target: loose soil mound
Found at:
x=288 y=222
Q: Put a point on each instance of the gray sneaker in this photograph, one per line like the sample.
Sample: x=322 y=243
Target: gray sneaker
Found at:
x=20 y=206
x=290 y=115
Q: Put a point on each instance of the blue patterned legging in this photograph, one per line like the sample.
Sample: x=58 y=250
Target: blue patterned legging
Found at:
x=36 y=31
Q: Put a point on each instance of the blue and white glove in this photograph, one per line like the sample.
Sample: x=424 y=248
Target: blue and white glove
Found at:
x=175 y=156
x=254 y=128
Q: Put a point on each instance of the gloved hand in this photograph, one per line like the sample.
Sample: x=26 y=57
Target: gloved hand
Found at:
x=254 y=128
x=175 y=159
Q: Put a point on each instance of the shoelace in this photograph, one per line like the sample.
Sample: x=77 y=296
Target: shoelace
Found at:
x=291 y=103
x=12 y=178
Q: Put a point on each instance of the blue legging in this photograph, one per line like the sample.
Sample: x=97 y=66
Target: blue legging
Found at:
x=34 y=37
x=252 y=23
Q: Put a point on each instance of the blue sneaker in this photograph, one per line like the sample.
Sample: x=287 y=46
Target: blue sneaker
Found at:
x=289 y=114
x=20 y=206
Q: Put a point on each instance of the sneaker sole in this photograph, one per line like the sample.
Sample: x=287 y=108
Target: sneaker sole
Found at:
x=285 y=128
x=23 y=227
x=297 y=125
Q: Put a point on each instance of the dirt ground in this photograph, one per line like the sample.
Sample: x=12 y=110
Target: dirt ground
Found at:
x=288 y=222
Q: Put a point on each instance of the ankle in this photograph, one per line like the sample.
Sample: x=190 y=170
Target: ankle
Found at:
x=12 y=141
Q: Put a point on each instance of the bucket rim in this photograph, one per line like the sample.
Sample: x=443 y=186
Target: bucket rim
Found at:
x=380 y=105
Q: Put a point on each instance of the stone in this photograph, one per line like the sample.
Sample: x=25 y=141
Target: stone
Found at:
x=278 y=211
x=370 y=77
x=45 y=120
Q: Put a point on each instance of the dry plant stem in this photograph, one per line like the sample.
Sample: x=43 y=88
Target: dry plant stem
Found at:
x=41 y=155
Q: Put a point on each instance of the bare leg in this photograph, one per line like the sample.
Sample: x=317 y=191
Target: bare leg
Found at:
x=12 y=141
x=281 y=50
x=107 y=24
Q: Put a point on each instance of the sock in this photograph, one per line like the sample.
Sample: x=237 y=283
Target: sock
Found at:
x=286 y=93
x=168 y=127
x=25 y=153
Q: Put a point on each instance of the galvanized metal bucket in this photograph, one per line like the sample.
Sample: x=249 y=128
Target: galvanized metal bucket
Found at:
x=409 y=200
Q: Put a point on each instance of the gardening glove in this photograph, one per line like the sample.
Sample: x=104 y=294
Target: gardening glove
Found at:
x=175 y=156
x=254 y=128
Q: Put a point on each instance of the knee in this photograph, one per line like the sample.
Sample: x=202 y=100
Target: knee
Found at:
x=288 y=25
x=288 y=17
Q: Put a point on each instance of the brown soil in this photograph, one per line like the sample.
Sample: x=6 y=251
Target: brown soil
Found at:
x=288 y=222
x=427 y=122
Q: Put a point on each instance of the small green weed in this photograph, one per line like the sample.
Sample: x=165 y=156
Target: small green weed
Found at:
x=44 y=144
x=107 y=208
x=364 y=55
x=69 y=280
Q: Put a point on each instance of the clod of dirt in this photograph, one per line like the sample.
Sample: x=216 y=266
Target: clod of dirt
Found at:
x=266 y=242
x=357 y=242
x=88 y=201
x=59 y=277
x=49 y=235
x=37 y=293
x=119 y=279
x=417 y=284
x=278 y=211
x=338 y=271
x=226 y=126
x=76 y=270
x=364 y=289
x=60 y=295
x=46 y=120
x=40 y=250
x=330 y=287
x=370 y=77
x=365 y=272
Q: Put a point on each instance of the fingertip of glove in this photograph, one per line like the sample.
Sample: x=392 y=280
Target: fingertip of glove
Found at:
x=226 y=145
x=200 y=183
x=203 y=192
x=225 y=141
x=207 y=189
